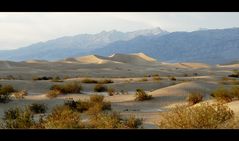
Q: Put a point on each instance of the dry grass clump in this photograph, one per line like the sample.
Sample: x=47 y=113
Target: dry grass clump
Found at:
x=222 y=95
x=5 y=92
x=113 y=120
x=105 y=81
x=100 y=88
x=87 y=80
x=95 y=105
x=156 y=78
x=53 y=93
x=20 y=94
x=57 y=79
x=111 y=91
x=70 y=87
x=37 y=108
x=173 y=78
x=143 y=80
x=194 y=97
x=235 y=91
x=18 y=118
x=141 y=95
x=201 y=116
x=63 y=117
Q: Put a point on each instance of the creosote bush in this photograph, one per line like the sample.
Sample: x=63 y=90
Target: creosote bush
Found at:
x=141 y=95
x=194 y=98
x=200 y=116
x=100 y=88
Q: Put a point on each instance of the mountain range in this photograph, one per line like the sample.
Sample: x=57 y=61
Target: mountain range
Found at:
x=211 y=46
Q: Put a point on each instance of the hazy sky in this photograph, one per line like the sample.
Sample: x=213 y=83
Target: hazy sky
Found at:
x=22 y=29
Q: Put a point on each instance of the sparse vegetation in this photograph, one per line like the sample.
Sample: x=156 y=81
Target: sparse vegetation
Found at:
x=156 y=78
x=223 y=95
x=113 y=120
x=105 y=81
x=235 y=91
x=173 y=78
x=89 y=81
x=235 y=74
x=53 y=93
x=100 y=88
x=42 y=78
x=20 y=94
x=111 y=91
x=141 y=95
x=57 y=79
x=194 y=97
x=63 y=117
x=70 y=87
x=143 y=80
x=95 y=105
x=5 y=92
x=37 y=108
x=18 y=118
x=201 y=116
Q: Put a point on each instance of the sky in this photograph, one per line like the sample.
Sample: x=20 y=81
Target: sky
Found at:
x=21 y=29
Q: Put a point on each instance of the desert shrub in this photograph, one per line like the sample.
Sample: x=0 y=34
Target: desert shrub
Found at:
x=235 y=74
x=173 y=78
x=57 y=79
x=113 y=120
x=42 y=78
x=200 y=116
x=194 y=98
x=20 y=94
x=235 y=91
x=71 y=87
x=223 y=95
x=5 y=92
x=7 y=89
x=111 y=91
x=18 y=118
x=105 y=81
x=143 y=79
x=156 y=78
x=141 y=95
x=89 y=81
x=100 y=88
x=63 y=117
x=155 y=75
x=53 y=93
x=37 y=108
x=133 y=122
x=95 y=105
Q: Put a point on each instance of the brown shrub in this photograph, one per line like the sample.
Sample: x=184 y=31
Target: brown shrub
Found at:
x=194 y=98
x=141 y=95
x=200 y=116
